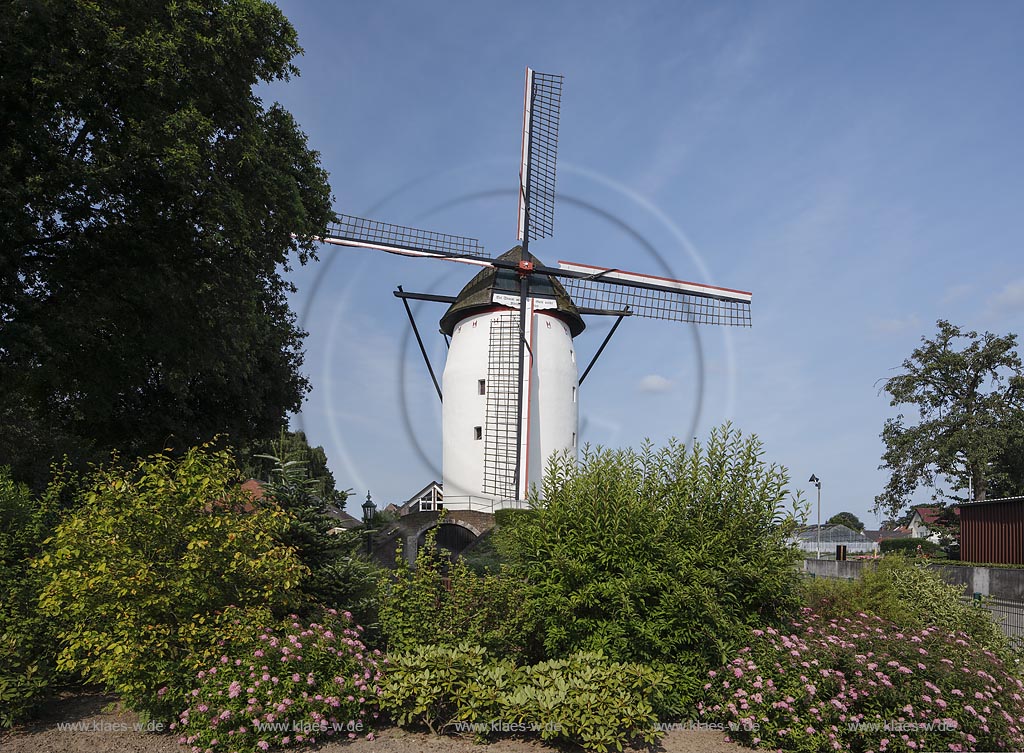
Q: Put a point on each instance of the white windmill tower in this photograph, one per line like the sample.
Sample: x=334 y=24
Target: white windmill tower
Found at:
x=511 y=382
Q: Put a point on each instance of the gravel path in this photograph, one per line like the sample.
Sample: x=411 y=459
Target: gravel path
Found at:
x=103 y=727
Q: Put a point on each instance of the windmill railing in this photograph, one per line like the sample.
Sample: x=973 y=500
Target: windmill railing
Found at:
x=484 y=504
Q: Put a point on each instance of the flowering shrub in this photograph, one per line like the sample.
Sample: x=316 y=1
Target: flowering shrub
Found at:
x=301 y=683
x=913 y=596
x=859 y=684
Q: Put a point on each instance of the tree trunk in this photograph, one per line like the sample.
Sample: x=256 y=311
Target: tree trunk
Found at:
x=979 y=482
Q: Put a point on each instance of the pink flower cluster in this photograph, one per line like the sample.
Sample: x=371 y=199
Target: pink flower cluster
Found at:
x=859 y=683
x=330 y=688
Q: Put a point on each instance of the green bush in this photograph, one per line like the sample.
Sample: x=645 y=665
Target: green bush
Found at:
x=27 y=642
x=587 y=699
x=160 y=562
x=446 y=604
x=439 y=687
x=295 y=685
x=483 y=557
x=584 y=698
x=862 y=683
x=666 y=556
x=912 y=547
x=910 y=595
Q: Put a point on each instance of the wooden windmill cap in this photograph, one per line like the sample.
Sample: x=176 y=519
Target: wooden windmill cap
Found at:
x=479 y=293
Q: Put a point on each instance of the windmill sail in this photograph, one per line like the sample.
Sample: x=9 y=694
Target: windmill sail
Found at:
x=654 y=297
x=540 y=152
x=399 y=239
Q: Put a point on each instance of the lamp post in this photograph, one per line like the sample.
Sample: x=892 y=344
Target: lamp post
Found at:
x=369 y=510
x=817 y=482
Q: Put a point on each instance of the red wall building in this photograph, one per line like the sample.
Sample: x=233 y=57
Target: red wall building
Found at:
x=993 y=531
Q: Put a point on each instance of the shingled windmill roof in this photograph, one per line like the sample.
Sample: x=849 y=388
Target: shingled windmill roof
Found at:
x=478 y=293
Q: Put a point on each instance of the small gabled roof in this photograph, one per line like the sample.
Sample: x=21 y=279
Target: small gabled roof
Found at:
x=344 y=518
x=479 y=293
x=407 y=506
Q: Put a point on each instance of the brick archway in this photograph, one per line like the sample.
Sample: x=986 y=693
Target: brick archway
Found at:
x=409 y=528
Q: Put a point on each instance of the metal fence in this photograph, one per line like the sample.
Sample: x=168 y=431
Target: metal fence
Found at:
x=1008 y=615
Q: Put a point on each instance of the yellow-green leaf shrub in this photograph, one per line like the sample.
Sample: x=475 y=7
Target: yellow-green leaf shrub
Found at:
x=161 y=562
x=440 y=603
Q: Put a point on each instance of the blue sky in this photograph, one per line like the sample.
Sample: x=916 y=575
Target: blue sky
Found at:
x=857 y=166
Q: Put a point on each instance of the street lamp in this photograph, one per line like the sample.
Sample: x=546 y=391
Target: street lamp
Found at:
x=817 y=482
x=369 y=510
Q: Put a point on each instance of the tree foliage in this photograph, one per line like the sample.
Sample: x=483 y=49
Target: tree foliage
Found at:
x=847 y=519
x=1006 y=475
x=969 y=399
x=338 y=577
x=263 y=460
x=657 y=556
x=147 y=204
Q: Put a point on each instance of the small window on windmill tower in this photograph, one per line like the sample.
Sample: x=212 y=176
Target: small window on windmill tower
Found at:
x=574 y=394
x=574 y=439
x=481 y=386
x=478 y=432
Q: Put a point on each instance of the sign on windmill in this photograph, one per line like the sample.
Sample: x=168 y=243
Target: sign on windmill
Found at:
x=511 y=381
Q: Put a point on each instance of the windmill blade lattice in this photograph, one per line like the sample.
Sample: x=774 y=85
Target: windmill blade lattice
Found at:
x=540 y=153
x=358 y=231
x=652 y=297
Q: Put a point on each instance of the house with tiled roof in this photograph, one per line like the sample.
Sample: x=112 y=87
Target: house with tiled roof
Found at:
x=926 y=521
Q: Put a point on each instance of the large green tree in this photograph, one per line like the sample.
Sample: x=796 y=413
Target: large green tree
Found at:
x=847 y=519
x=969 y=393
x=147 y=204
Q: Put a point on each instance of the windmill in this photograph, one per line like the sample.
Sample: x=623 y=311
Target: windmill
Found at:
x=511 y=381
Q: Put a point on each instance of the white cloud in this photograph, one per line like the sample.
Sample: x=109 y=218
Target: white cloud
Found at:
x=1010 y=298
x=654 y=383
x=957 y=292
x=894 y=325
